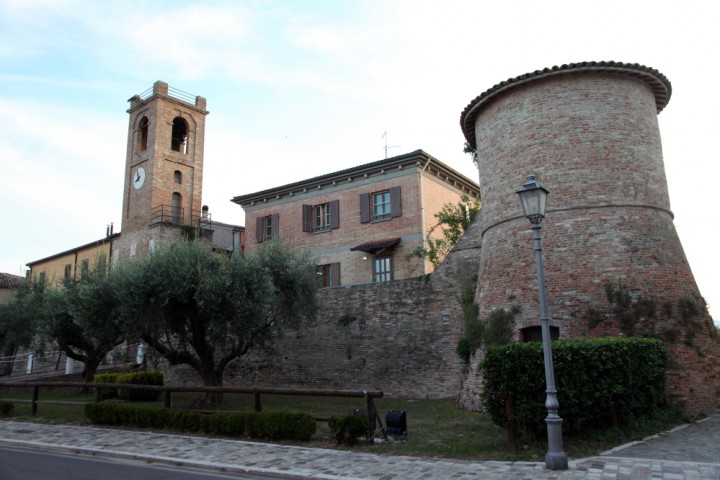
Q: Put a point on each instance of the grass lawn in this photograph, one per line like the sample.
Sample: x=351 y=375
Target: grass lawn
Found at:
x=436 y=428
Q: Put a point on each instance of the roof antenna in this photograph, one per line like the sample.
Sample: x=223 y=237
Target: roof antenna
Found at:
x=384 y=135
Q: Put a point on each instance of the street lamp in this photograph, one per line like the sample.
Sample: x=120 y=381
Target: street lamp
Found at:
x=533 y=197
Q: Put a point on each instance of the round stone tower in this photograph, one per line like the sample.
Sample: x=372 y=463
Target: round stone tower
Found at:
x=589 y=132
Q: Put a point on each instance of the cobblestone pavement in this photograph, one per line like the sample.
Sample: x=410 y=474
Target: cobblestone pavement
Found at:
x=683 y=454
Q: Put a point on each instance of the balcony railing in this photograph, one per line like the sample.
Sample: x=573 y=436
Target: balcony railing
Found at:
x=176 y=216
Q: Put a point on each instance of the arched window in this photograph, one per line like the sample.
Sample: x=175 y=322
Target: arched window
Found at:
x=142 y=139
x=178 y=176
x=179 y=135
x=176 y=208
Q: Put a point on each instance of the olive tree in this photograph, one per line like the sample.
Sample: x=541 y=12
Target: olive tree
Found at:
x=82 y=317
x=17 y=320
x=204 y=309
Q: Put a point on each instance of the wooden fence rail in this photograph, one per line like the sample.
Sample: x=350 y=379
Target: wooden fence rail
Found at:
x=367 y=395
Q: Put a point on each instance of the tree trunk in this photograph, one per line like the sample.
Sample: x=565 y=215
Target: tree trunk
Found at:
x=211 y=378
x=91 y=365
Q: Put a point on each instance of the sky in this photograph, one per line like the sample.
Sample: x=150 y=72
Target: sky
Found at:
x=300 y=88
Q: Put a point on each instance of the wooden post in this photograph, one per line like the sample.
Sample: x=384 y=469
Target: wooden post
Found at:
x=33 y=407
x=371 y=414
x=258 y=405
x=168 y=399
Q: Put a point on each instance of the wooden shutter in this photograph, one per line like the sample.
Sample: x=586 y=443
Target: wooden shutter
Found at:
x=259 y=230
x=335 y=214
x=335 y=274
x=275 y=226
x=308 y=214
x=395 y=202
x=364 y=208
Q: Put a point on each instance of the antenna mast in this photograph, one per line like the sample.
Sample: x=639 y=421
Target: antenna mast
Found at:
x=384 y=135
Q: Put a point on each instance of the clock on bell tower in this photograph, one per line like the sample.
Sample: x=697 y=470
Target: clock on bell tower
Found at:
x=163 y=168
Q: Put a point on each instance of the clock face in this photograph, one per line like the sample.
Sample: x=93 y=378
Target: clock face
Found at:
x=138 y=178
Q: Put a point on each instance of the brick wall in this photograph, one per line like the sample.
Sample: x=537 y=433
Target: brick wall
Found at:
x=593 y=141
x=402 y=339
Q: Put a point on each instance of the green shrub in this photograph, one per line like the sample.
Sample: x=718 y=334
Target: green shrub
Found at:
x=347 y=428
x=269 y=425
x=140 y=378
x=280 y=425
x=232 y=424
x=595 y=378
x=7 y=409
x=106 y=393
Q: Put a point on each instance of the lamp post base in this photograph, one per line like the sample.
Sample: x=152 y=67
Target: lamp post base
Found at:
x=556 y=461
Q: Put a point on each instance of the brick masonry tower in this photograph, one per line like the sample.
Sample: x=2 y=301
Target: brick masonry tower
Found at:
x=589 y=132
x=162 y=190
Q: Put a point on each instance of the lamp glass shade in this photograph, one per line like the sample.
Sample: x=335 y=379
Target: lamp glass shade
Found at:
x=533 y=197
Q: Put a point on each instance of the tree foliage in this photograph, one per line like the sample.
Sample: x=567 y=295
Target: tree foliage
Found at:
x=83 y=317
x=204 y=310
x=472 y=150
x=452 y=221
x=17 y=320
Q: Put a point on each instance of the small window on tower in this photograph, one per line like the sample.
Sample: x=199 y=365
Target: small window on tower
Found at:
x=176 y=209
x=142 y=139
x=179 y=135
x=178 y=176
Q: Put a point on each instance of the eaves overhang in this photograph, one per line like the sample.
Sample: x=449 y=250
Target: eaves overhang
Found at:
x=417 y=159
x=657 y=82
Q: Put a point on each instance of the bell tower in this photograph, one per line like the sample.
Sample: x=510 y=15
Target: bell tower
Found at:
x=162 y=190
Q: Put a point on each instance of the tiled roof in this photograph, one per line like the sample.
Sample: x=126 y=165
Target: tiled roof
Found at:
x=10 y=281
x=659 y=84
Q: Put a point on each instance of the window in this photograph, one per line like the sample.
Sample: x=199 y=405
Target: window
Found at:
x=85 y=267
x=42 y=277
x=380 y=206
x=534 y=333
x=176 y=210
x=382 y=269
x=142 y=139
x=267 y=228
x=321 y=218
x=177 y=176
x=329 y=274
x=179 y=137
x=68 y=271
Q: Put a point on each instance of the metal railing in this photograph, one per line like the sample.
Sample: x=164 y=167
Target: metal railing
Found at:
x=176 y=216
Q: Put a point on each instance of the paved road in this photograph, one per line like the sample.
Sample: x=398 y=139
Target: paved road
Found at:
x=34 y=464
x=649 y=460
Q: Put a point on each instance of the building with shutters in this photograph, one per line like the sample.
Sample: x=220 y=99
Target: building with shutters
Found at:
x=360 y=222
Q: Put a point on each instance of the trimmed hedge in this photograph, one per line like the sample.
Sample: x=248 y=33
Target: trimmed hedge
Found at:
x=7 y=409
x=282 y=425
x=268 y=425
x=139 y=378
x=347 y=428
x=595 y=378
